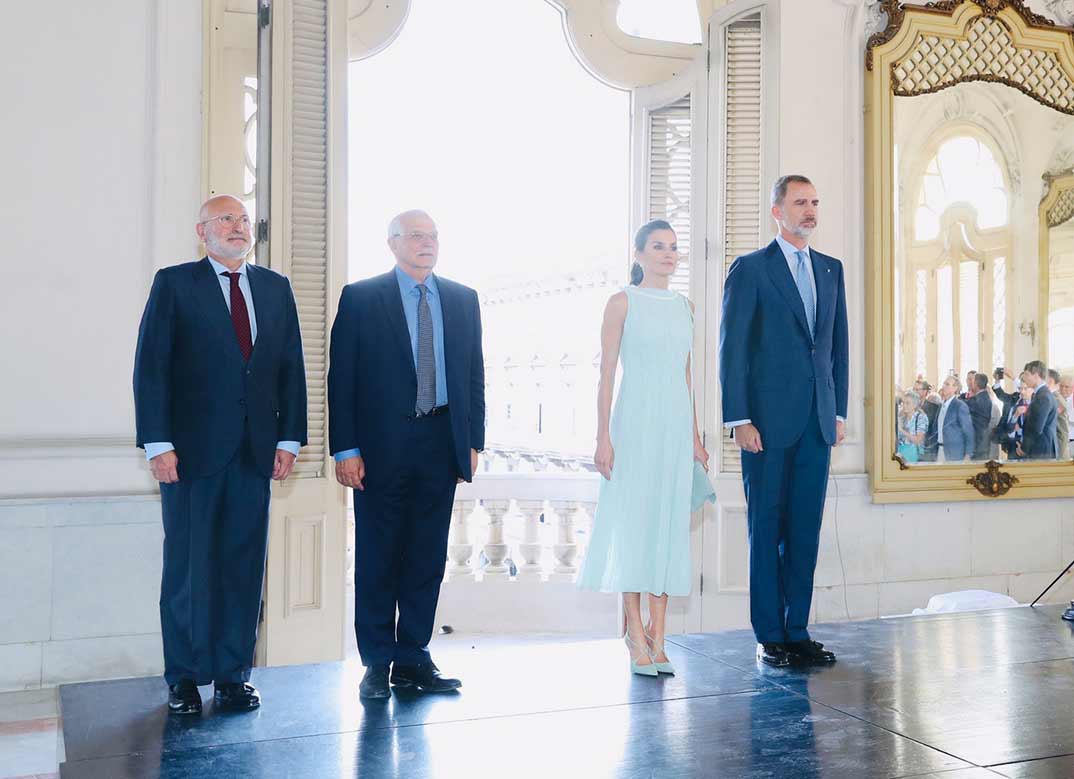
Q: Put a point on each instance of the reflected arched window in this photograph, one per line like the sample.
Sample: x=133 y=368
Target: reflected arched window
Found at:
x=956 y=262
x=963 y=171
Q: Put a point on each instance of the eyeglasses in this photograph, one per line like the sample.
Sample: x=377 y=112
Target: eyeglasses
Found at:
x=418 y=235
x=229 y=219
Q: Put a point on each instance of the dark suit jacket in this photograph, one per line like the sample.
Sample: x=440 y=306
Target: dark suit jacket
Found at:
x=1038 y=433
x=372 y=383
x=1009 y=400
x=191 y=384
x=980 y=406
x=771 y=370
x=932 y=413
x=958 y=434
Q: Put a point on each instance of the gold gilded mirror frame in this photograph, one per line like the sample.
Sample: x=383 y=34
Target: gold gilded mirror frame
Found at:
x=1056 y=209
x=927 y=49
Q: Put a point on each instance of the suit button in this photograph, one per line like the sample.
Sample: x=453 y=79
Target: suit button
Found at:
x=248 y=372
x=242 y=402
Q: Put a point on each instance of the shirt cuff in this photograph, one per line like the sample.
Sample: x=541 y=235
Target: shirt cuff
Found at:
x=346 y=455
x=289 y=446
x=736 y=423
x=840 y=419
x=158 y=448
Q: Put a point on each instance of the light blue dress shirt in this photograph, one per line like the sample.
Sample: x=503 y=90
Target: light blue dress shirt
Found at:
x=408 y=292
x=790 y=252
x=160 y=447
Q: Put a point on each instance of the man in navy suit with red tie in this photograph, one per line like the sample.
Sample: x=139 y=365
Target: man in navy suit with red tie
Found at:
x=784 y=374
x=220 y=405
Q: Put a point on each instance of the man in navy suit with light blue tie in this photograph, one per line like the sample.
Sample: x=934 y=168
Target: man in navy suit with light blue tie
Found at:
x=220 y=405
x=406 y=397
x=784 y=369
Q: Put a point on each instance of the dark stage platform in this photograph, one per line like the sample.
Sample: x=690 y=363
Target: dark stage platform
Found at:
x=959 y=696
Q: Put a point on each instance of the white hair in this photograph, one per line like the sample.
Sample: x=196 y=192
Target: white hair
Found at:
x=395 y=227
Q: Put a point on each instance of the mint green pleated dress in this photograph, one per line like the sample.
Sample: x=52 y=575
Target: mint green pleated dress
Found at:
x=641 y=529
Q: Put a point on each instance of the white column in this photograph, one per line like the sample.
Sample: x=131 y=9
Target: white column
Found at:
x=565 y=549
x=530 y=548
x=460 y=550
x=495 y=547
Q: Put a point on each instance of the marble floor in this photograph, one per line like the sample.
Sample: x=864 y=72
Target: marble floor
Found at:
x=29 y=734
x=957 y=696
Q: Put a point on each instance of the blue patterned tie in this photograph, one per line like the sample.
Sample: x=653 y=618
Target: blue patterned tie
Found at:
x=426 y=360
x=805 y=289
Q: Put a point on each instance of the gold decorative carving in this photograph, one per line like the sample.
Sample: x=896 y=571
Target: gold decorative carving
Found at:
x=896 y=13
x=1063 y=208
x=992 y=482
x=928 y=48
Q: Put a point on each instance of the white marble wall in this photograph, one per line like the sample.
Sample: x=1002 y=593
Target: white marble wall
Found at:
x=81 y=580
x=100 y=148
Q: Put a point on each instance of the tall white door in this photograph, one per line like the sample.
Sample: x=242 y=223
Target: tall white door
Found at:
x=304 y=615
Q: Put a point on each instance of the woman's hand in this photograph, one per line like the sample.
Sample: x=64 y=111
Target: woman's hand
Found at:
x=700 y=454
x=604 y=458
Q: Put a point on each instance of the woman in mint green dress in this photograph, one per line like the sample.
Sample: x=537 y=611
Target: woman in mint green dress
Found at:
x=646 y=455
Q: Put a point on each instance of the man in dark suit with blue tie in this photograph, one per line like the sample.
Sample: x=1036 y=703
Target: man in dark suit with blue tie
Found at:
x=220 y=404
x=406 y=397
x=784 y=378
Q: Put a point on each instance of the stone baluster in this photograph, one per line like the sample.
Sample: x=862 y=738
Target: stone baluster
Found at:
x=531 y=547
x=460 y=550
x=566 y=548
x=495 y=546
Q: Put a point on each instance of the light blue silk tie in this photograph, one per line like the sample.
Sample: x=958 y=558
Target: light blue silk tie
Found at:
x=805 y=289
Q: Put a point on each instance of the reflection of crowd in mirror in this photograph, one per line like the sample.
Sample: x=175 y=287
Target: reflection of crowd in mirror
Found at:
x=1008 y=418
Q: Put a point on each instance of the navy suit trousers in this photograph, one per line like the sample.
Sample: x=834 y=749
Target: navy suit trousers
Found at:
x=401 y=534
x=215 y=538
x=785 y=488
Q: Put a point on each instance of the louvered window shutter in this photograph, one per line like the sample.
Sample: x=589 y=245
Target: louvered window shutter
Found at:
x=670 y=179
x=309 y=207
x=742 y=190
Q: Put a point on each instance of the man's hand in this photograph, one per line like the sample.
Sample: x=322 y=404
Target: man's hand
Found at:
x=1018 y=449
x=165 y=467
x=351 y=472
x=473 y=466
x=840 y=431
x=285 y=461
x=748 y=438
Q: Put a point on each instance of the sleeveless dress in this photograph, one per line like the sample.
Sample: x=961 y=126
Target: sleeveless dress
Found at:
x=641 y=528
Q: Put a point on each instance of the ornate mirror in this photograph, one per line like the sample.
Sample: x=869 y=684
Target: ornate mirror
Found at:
x=970 y=247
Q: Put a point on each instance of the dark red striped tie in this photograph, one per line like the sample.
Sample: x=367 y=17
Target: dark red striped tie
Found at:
x=240 y=317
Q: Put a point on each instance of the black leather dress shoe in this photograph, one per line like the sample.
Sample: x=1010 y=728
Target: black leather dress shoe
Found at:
x=773 y=653
x=375 y=683
x=236 y=696
x=809 y=653
x=1069 y=613
x=423 y=678
x=184 y=698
